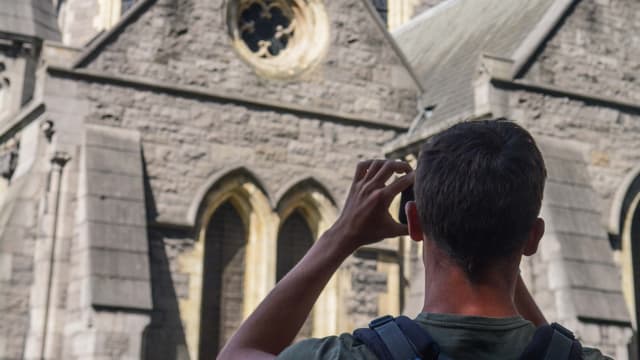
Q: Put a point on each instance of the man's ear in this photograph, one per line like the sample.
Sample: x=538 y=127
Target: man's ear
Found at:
x=413 y=221
x=535 y=235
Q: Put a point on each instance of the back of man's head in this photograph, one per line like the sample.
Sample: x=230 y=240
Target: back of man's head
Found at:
x=479 y=189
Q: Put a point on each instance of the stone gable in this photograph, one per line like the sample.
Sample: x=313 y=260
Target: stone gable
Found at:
x=593 y=51
x=186 y=42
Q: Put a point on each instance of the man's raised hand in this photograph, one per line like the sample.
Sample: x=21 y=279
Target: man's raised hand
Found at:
x=365 y=218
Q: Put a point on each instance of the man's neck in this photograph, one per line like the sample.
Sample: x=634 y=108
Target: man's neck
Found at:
x=449 y=290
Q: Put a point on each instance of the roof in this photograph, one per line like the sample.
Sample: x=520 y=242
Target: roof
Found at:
x=444 y=46
x=29 y=18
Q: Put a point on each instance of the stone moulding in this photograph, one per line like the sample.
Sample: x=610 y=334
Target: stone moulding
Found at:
x=207 y=94
x=617 y=210
x=199 y=198
x=306 y=36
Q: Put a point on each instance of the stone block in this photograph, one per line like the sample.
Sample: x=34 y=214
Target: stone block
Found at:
x=113 y=185
x=564 y=171
x=113 y=161
x=585 y=248
x=13 y=239
x=598 y=276
x=23 y=213
x=559 y=150
x=6 y=267
x=112 y=211
x=114 y=237
x=598 y=305
x=564 y=194
x=573 y=221
x=113 y=138
x=3 y=348
x=119 y=264
x=120 y=293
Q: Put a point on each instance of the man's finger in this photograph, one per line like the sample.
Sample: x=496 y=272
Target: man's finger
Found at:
x=373 y=169
x=400 y=184
x=397 y=229
x=361 y=169
x=390 y=168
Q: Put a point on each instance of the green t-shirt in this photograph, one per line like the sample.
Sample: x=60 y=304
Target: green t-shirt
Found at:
x=459 y=337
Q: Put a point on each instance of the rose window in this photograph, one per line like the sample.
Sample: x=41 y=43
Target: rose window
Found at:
x=279 y=38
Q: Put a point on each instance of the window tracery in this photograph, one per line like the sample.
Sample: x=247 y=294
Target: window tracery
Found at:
x=279 y=38
x=266 y=26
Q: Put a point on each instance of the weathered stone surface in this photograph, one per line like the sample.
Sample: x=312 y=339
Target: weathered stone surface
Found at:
x=593 y=52
x=119 y=278
x=120 y=293
x=106 y=236
x=185 y=137
x=120 y=264
x=186 y=42
x=607 y=143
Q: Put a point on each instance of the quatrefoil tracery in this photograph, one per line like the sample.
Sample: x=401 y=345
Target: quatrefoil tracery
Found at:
x=266 y=26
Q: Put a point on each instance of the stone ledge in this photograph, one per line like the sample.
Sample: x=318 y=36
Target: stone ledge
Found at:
x=196 y=92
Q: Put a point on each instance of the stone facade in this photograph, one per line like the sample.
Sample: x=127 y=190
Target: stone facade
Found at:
x=127 y=153
x=592 y=52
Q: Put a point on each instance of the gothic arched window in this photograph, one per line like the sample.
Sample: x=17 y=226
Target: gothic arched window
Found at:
x=294 y=239
x=223 y=279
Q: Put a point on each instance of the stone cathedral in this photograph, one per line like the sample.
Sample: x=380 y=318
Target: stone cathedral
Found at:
x=165 y=162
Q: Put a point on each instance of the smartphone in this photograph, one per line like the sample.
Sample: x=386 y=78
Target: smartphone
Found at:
x=406 y=196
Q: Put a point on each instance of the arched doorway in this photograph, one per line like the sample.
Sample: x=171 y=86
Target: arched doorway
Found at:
x=223 y=279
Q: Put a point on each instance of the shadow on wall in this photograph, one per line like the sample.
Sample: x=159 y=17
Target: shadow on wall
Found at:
x=164 y=338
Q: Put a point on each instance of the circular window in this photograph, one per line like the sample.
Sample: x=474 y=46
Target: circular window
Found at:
x=279 y=38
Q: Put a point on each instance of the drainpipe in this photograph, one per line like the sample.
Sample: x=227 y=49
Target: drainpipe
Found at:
x=58 y=161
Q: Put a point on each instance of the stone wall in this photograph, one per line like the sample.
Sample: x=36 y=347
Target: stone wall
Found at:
x=186 y=139
x=594 y=52
x=187 y=42
x=608 y=136
x=424 y=5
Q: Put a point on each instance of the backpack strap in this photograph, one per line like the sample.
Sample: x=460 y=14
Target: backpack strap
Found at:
x=398 y=339
x=553 y=342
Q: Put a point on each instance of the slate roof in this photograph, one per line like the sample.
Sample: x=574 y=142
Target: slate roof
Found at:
x=444 y=46
x=29 y=18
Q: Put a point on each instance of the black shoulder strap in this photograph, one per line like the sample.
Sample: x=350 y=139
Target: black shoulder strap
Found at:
x=398 y=339
x=553 y=342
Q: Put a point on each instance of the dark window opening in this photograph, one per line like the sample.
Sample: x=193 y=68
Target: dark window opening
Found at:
x=222 y=280
x=294 y=239
x=126 y=5
x=266 y=29
x=382 y=8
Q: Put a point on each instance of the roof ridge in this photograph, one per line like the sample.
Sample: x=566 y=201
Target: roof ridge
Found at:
x=424 y=15
x=100 y=41
x=540 y=34
x=394 y=45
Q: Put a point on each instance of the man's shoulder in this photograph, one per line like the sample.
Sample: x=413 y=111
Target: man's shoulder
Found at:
x=594 y=354
x=346 y=347
x=343 y=347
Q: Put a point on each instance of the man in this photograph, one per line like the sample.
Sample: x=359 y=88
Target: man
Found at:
x=478 y=188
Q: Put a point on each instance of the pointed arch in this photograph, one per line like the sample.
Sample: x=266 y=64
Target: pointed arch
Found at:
x=309 y=198
x=228 y=178
x=243 y=190
x=622 y=200
x=312 y=198
x=624 y=231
